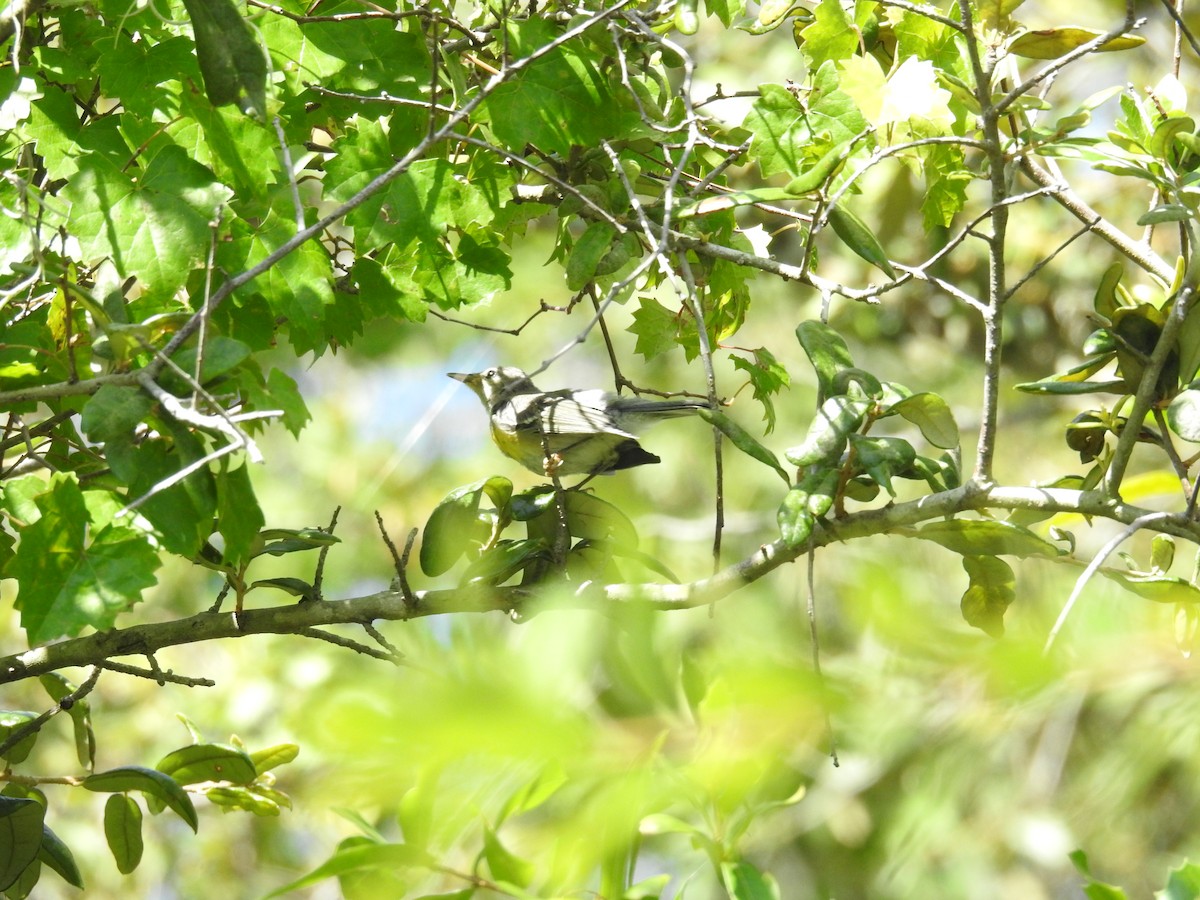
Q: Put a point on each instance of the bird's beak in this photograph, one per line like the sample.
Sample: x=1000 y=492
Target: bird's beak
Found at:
x=468 y=380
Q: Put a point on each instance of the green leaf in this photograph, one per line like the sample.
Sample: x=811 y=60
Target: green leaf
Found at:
x=123 y=831
x=20 y=837
x=834 y=422
x=454 y=527
x=562 y=100
x=271 y=757
x=534 y=793
x=593 y=519
x=249 y=800
x=113 y=412
x=208 y=762
x=1165 y=213
x=985 y=537
x=1051 y=43
x=831 y=36
x=70 y=577
x=1064 y=388
x=150 y=782
x=297 y=587
x=80 y=711
x=1183 y=415
x=1154 y=586
x=231 y=60
x=744 y=881
x=503 y=560
x=656 y=327
x=744 y=441
x=826 y=351
x=155 y=228
x=1189 y=345
x=357 y=857
x=858 y=237
x=883 y=458
x=57 y=855
x=1183 y=883
x=220 y=356
x=805 y=141
x=591 y=247
x=13 y=720
x=767 y=378
x=503 y=864
x=932 y=415
x=805 y=503
x=239 y=517
x=992 y=589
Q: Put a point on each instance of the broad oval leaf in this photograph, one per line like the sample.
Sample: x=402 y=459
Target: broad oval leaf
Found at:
x=795 y=518
x=932 y=415
x=57 y=855
x=1159 y=588
x=986 y=537
x=11 y=720
x=1165 y=212
x=455 y=526
x=150 y=782
x=208 y=762
x=500 y=562
x=1051 y=43
x=991 y=590
x=21 y=826
x=123 y=831
x=270 y=757
x=1183 y=415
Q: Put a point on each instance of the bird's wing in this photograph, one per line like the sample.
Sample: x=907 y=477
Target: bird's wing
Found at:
x=566 y=413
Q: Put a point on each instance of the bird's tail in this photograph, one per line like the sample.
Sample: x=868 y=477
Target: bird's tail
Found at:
x=656 y=409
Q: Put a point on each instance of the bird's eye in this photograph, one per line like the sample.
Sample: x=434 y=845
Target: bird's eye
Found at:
x=491 y=373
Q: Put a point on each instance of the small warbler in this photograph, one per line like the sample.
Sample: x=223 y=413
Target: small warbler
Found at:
x=567 y=432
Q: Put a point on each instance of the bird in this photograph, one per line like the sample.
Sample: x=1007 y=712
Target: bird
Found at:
x=567 y=432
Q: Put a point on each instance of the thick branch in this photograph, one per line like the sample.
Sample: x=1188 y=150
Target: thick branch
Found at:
x=146 y=640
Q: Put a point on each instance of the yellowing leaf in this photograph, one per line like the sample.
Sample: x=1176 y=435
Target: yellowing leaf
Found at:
x=1051 y=43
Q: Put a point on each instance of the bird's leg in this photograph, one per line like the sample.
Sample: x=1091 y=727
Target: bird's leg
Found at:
x=551 y=462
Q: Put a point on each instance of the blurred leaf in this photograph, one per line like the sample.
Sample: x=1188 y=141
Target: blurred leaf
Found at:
x=357 y=857
x=745 y=882
x=1150 y=586
x=1183 y=415
x=589 y=250
x=503 y=864
x=1182 y=884
x=991 y=591
x=123 y=831
x=985 y=537
x=297 y=587
x=1051 y=43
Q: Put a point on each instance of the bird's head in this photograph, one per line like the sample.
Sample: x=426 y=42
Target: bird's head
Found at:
x=496 y=384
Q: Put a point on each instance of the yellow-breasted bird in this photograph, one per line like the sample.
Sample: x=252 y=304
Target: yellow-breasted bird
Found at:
x=567 y=432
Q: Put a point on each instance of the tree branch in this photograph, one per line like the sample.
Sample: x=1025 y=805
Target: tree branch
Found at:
x=144 y=640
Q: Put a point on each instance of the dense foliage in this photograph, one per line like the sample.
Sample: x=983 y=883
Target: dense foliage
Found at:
x=199 y=194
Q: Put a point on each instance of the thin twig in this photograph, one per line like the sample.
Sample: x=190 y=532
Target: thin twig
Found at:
x=1131 y=529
